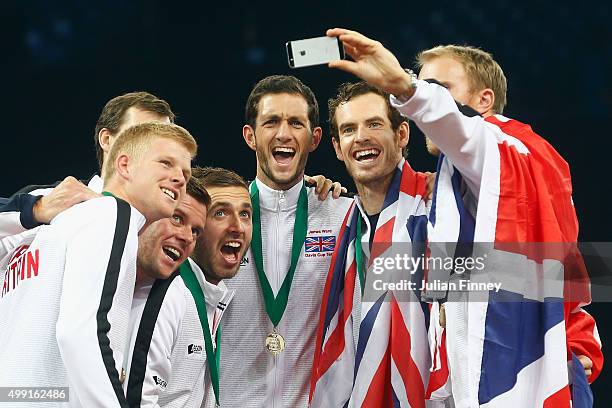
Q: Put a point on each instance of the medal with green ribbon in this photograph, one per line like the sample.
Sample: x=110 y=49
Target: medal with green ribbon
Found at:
x=275 y=306
x=359 y=252
x=212 y=356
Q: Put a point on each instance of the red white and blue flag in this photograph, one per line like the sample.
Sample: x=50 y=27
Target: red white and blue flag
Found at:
x=374 y=352
x=324 y=243
x=518 y=348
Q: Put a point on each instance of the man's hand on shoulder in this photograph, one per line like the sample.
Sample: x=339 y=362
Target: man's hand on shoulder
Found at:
x=66 y=194
x=324 y=185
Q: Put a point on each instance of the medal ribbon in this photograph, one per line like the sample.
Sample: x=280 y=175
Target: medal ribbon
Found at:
x=212 y=356
x=359 y=252
x=275 y=307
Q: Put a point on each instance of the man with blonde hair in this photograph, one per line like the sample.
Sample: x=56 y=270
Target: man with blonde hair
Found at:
x=68 y=286
x=472 y=72
x=476 y=80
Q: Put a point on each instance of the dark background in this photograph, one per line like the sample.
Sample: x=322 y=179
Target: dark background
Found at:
x=62 y=60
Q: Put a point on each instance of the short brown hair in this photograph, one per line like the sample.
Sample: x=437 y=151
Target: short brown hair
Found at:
x=113 y=114
x=134 y=139
x=350 y=90
x=482 y=70
x=196 y=190
x=279 y=84
x=217 y=177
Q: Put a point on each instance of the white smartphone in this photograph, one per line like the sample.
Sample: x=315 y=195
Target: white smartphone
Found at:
x=314 y=51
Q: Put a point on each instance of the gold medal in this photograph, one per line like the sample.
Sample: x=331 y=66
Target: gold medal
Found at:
x=442 y=316
x=275 y=343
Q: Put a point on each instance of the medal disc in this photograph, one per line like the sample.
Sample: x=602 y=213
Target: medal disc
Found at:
x=275 y=343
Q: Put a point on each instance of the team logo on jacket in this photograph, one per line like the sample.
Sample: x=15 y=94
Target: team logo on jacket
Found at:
x=160 y=382
x=244 y=261
x=319 y=245
x=23 y=264
x=194 y=349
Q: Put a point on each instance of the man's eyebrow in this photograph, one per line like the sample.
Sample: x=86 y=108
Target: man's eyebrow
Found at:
x=269 y=116
x=166 y=157
x=346 y=124
x=299 y=117
x=435 y=81
x=221 y=204
x=229 y=204
x=367 y=120
x=375 y=119
x=178 y=212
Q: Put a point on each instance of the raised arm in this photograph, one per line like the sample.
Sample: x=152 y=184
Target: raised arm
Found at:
x=458 y=132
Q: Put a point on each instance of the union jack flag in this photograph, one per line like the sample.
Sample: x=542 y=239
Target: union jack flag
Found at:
x=324 y=243
x=518 y=348
x=387 y=364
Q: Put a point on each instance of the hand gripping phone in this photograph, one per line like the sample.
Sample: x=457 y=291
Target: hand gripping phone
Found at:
x=314 y=51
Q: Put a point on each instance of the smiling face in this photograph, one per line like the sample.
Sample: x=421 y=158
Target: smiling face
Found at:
x=228 y=233
x=158 y=177
x=282 y=139
x=367 y=143
x=166 y=243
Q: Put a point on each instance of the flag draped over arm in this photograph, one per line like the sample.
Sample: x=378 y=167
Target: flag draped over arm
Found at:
x=508 y=347
x=514 y=349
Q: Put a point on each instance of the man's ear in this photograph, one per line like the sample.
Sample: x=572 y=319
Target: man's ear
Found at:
x=248 y=133
x=337 y=149
x=122 y=166
x=403 y=132
x=485 y=99
x=317 y=133
x=105 y=139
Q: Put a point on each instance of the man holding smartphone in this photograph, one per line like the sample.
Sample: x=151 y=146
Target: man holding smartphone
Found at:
x=492 y=168
x=270 y=328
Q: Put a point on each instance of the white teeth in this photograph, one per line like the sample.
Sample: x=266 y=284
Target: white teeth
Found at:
x=173 y=251
x=284 y=150
x=169 y=193
x=366 y=152
x=233 y=244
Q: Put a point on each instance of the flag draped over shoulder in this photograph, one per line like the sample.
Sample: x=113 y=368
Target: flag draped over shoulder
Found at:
x=374 y=352
x=512 y=349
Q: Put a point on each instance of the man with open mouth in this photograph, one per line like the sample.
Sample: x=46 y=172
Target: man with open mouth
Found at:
x=179 y=302
x=270 y=327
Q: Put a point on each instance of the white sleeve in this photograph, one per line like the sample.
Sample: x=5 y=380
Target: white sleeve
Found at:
x=94 y=275
x=463 y=139
x=165 y=334
x=10 y=223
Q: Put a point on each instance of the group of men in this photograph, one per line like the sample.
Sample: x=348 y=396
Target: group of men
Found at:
x=159 y=284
